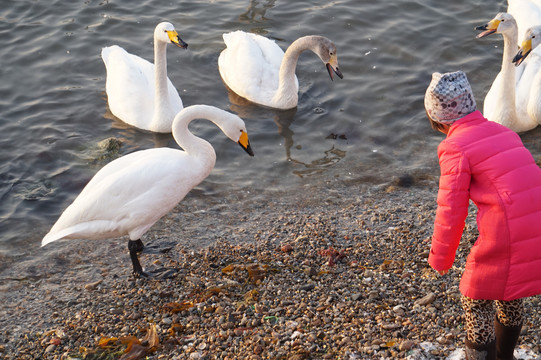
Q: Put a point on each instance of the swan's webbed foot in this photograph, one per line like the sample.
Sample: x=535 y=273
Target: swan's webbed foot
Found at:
x=139 y=273
x=135 y=247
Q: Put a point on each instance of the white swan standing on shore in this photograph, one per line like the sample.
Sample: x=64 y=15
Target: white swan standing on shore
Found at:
x=255 y=68
x=506 y=101
x=131 y=193
x=532 y=39
x=138 y=92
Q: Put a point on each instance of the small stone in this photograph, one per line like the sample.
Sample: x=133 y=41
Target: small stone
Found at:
x=373 y=295
x=259 y=309
x=399 y=310
x=442 y=340
x=356 y=297
x=167 y=321
x=135 y=316
x=50 y=348
x=406 y=345
x=427 y=299
x=286 y=248
x=258 y=349
x=307 y=287
x=93 y=286
x=310 y=271
x=98 y=329
x=390 y=326
x=297 y=357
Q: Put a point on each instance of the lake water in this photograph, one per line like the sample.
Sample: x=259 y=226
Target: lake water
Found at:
x=370 y=125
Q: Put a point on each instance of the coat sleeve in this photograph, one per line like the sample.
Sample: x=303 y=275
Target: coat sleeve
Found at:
x=453 y=202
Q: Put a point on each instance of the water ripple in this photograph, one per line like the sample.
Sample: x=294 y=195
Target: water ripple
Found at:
x=370 y=126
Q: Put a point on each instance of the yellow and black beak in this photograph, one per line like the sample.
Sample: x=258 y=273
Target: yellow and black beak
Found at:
x=332 y=65
x=245 y=143
x=488 y=29
x=176 y=40
x=523 y=52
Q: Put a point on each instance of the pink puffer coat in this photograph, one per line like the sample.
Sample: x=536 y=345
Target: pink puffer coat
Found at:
x=488 y=163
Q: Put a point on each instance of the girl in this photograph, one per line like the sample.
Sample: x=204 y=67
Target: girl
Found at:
x=487 y=163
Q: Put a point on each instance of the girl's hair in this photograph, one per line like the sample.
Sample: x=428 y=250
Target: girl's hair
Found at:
x=435 y=125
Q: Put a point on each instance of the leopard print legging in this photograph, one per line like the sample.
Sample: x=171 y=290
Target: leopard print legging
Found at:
x=480 y=317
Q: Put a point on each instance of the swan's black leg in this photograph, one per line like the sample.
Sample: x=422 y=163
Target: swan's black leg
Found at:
x=136 y=246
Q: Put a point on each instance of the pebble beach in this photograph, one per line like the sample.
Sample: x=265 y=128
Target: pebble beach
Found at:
x=343 y=276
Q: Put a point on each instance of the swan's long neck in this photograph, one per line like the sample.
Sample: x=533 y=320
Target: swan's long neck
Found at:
x=507 y=101
x=161 y=96
x=287 y=92
x=193 y=145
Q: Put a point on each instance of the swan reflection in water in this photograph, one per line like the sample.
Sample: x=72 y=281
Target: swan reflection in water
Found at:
x=256 y=13
x=133 y=138
x=283 y=120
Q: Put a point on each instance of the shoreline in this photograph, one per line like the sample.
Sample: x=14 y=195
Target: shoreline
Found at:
x=341 y=277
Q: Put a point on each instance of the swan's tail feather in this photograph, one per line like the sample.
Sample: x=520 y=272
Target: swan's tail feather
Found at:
x=93 y=230
x=106 y=52
x=50 y=237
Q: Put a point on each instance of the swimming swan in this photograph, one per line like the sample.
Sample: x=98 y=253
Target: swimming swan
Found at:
x=257 y=69
x=532 y=39
x=128 y=195
x=506 y=101
x=140 y=93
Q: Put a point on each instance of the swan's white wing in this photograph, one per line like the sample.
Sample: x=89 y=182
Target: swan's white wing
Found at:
x=534 y=104
x=529 y=89
x=525 y=83
x=250 y=65
x=130 y=87
x=128 y=196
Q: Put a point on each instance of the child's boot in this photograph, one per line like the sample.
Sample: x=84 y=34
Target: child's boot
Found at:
x=506 y=340
x=480 y=351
